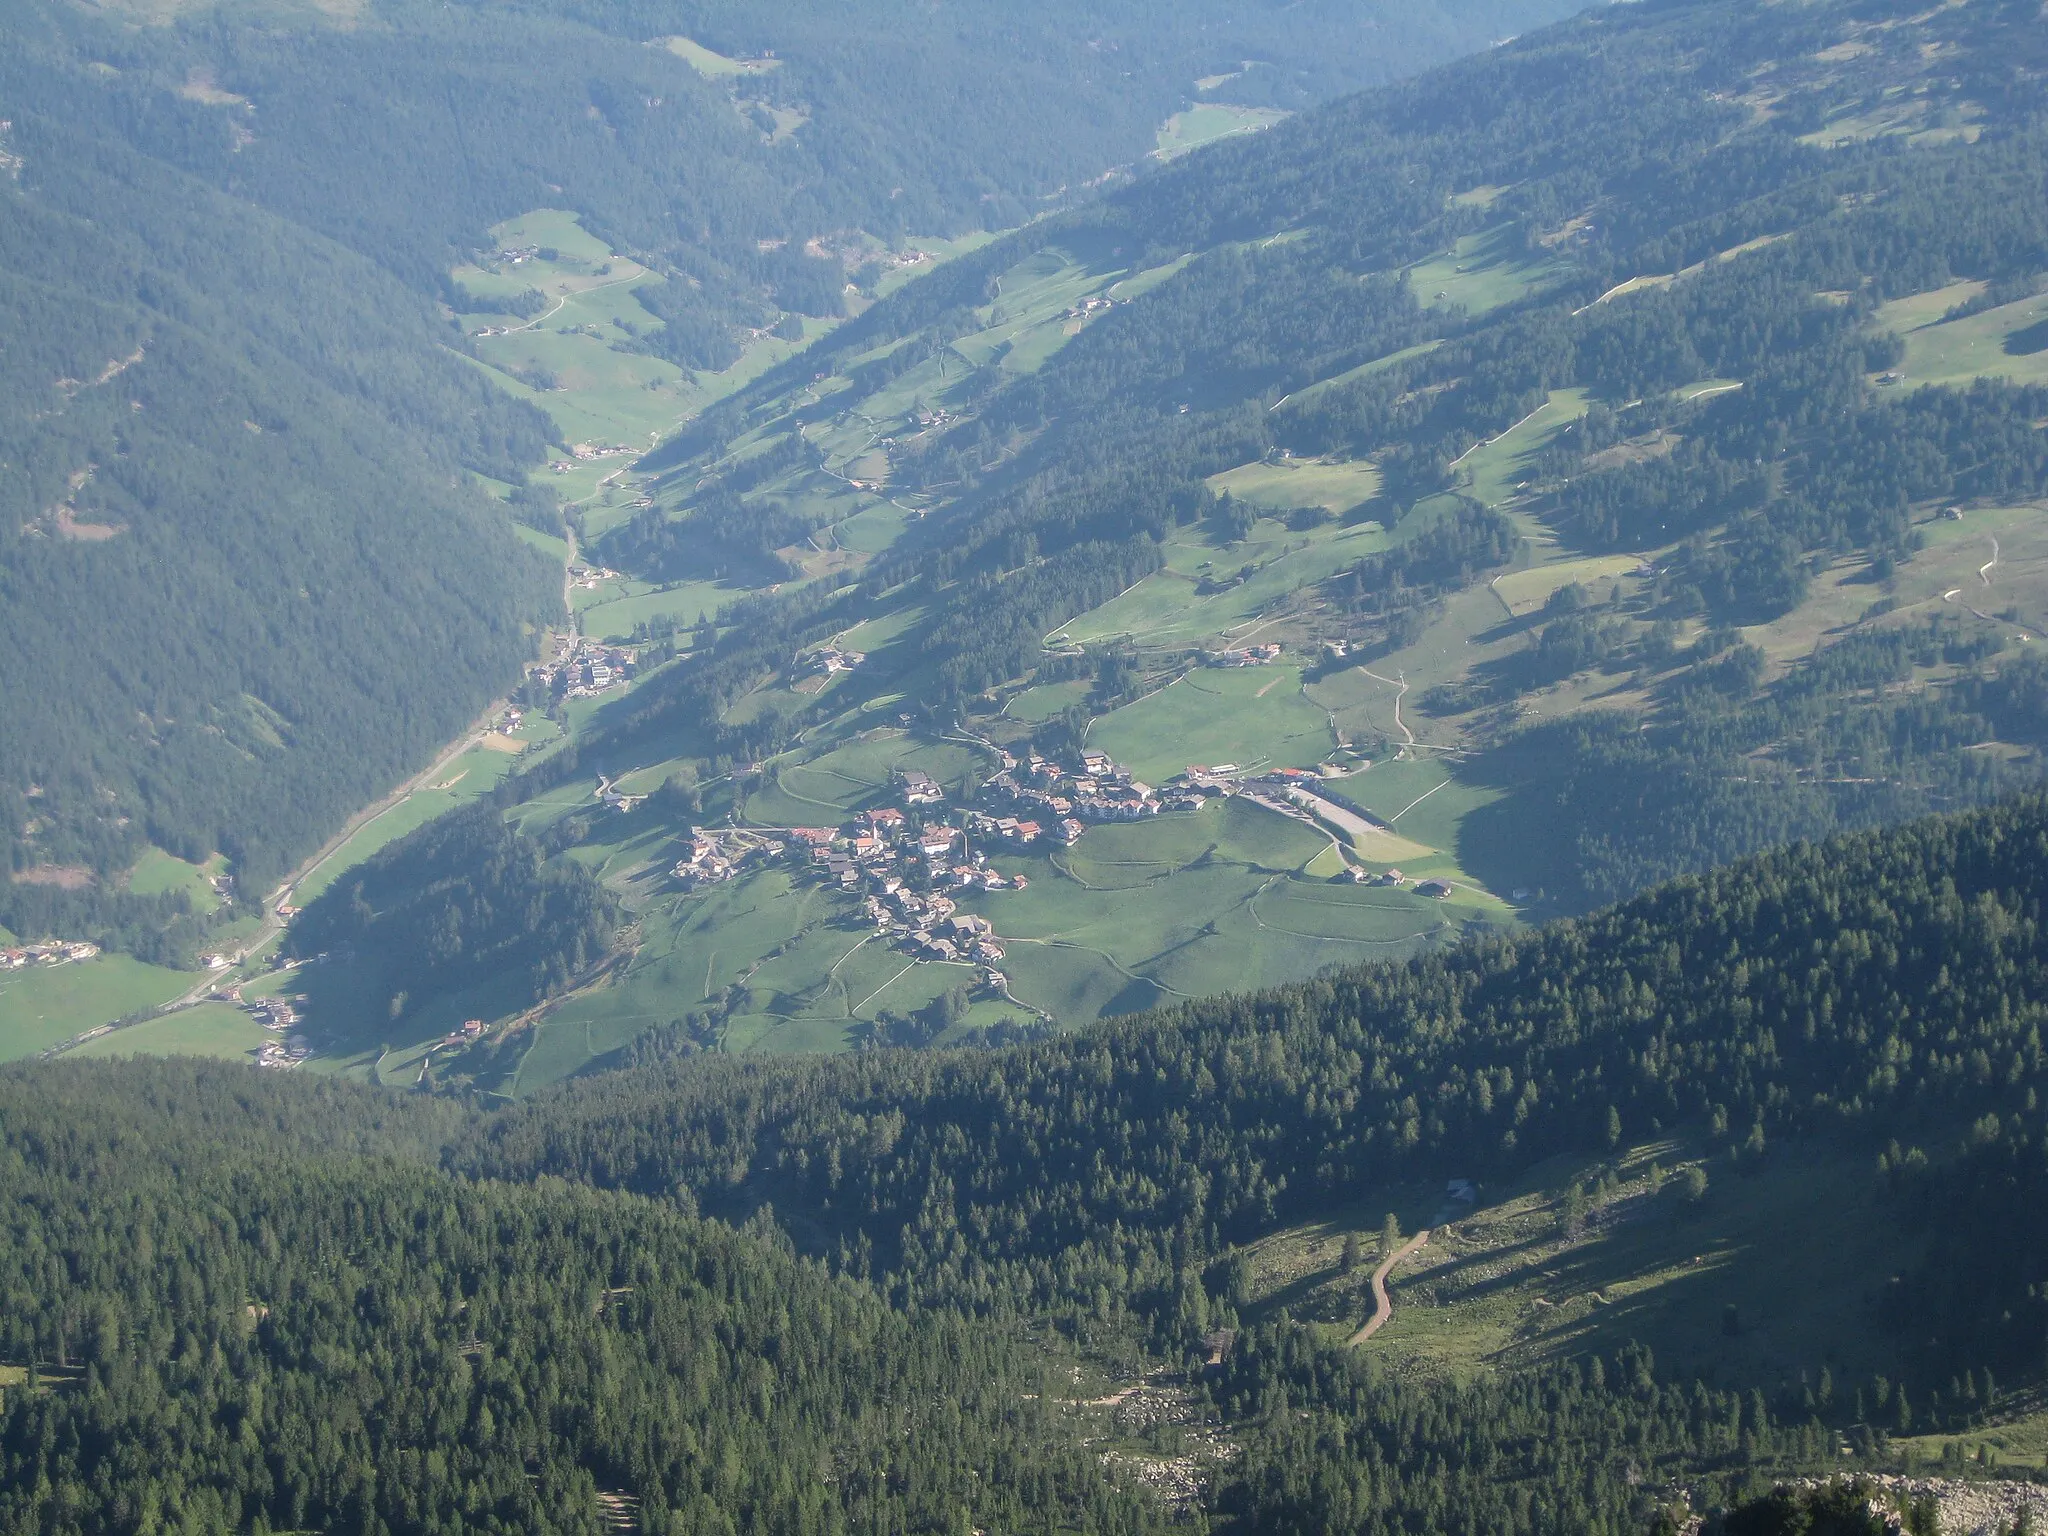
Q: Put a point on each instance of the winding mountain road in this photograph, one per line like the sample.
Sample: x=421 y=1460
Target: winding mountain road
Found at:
x=1382 y=1303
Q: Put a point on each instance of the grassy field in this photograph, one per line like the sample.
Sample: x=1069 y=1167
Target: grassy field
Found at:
x=45 y=1005
x=1210 y=121
x=1481 y=273
x=474 y=774
x=1337 y=486
x=210 y=1029
x=714 y=66
x=1957 y=351
x=1426 y=803
x=1209 y=590
x=1190 y=905
x=621 y=606
x=1041 y=703
x=1027 y=322
x=1781 y=1242
x=158 y=873
x=1954 y=572
x=1243 y=715
x=829 y=788
x=1493 y=470
x=1525 y=592
x=1366 y=370
x=571 y=360
x=1472 y=627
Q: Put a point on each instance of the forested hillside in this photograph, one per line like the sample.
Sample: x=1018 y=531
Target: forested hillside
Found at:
x=521 y=1359
x=244 y=1300
x=716 y=141
x=248 y=583
x=1884 y=991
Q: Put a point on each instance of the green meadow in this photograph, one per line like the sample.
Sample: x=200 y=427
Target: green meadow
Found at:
x=1366 y=370
x=1210 y=121
x=1209 y=590
x=469 y=777
x=1511 y=1281
x=713 y=65
x=1336 y=486
x=158 y=873
x=1482 y=272
x=207 y=1029
x=618 y=608
x=45 y=1005
x=1250 y=716
x=1493 y=470
x=1954 y=352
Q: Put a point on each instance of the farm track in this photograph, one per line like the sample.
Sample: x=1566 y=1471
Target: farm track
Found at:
x=1382 y=1303
x=1400 y=686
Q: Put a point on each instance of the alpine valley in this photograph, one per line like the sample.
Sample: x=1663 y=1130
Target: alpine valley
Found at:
x=1114 y=769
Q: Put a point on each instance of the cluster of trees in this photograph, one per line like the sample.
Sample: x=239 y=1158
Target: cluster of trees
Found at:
x=465 y=901
x=240 y=1307
x=1590 y=1445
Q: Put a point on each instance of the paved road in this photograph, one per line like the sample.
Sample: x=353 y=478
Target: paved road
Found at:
x=1383 y=1304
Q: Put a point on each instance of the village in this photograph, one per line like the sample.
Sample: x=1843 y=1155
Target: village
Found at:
x=582 y=668
x=909 y=862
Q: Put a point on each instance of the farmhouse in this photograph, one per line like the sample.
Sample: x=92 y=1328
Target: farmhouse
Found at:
x=919 y=788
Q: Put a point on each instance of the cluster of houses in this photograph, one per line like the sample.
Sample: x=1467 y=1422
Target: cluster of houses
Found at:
x=903 y=870
x=1094 y=305
x=51 y=952
x=276 y=1016
x=827 y=661
x=283 y=1055
x=582 y=668
x=471 y=1030
x=1437 y=890
x=718 y=855
x=931 y=927
x=591 y=577
x=1057 y=801
x=1243 y=656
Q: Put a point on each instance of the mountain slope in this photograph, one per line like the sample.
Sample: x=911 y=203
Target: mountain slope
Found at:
x=266 y=1283
x=1583 y=422
x=1879 y=997
x=249 y=583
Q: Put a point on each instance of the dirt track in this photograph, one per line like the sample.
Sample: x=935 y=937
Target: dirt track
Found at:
x=1383 y=1304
